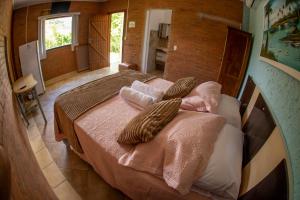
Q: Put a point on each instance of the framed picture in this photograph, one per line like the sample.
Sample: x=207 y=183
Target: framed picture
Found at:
x=281 y=36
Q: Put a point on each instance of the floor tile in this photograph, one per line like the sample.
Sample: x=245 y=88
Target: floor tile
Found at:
x=43 y=158
x=53 y=175
x=37 y=144
x=65 y=191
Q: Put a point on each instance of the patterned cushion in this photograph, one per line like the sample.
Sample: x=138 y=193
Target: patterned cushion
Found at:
x=147 y=124
x=181 y=88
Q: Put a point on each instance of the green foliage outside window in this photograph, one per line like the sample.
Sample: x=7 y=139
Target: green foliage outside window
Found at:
x=58 y=32
x=116 y=32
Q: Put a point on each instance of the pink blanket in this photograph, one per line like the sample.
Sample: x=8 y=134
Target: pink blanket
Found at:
x=97 y=131
x=180 y=152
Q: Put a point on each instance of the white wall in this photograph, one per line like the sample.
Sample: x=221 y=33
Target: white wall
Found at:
x=153 y=19
x=159 y=16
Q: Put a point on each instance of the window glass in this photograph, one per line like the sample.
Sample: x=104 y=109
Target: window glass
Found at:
x=58 y=32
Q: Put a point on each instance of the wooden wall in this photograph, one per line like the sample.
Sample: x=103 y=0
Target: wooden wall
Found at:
x=61 y=60
x=27 y=180
x=200 y=41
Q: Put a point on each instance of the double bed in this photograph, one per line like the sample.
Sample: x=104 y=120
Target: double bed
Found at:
x=98 y=128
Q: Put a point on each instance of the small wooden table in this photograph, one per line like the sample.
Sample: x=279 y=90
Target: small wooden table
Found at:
x=25 y=86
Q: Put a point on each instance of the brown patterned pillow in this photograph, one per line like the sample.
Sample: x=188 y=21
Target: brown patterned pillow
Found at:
x=181 y=88
x=147 y=124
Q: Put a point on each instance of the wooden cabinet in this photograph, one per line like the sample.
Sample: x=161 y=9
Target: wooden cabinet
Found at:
x=235 y=61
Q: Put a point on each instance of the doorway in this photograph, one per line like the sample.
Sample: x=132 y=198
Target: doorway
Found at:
x=156 y=42
x=117 y=21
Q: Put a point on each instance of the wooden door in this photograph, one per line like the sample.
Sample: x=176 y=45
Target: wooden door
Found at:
x=235 y=61
x=99 y=41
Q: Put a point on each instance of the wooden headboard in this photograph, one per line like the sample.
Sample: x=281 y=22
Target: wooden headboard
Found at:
x=266 y=167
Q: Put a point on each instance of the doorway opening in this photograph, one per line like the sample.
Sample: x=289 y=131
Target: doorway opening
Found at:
x=116 y=39
x=156 y=42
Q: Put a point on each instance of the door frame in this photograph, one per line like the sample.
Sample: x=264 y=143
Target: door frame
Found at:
x=124 y=29
x=146 y=43
x=145 y=53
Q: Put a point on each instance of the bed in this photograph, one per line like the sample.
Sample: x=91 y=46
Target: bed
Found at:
x=111 y=116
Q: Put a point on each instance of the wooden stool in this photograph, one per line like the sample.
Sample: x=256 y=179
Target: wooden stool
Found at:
x=23 y=87
x=124 y=66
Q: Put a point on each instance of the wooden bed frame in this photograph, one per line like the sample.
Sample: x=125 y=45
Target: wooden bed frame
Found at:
x=266 y=170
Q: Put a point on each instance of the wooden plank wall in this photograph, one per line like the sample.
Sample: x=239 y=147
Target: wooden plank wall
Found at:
x=199 y=37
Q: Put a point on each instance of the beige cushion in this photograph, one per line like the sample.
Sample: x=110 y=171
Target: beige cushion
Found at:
x=147 y=124
x=181 y=88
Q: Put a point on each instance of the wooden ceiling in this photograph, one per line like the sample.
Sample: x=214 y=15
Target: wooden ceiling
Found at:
x=24 y=3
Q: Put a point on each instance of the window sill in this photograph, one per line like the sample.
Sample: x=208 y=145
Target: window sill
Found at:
x=67 y=45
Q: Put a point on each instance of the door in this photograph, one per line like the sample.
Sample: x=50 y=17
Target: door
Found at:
x=117 y=25
x=99 y=42
x=152 y=41
x=235 y=61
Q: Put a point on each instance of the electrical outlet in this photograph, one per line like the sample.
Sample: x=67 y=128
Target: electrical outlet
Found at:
x=131 y=24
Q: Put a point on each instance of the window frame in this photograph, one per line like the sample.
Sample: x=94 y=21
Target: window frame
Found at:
x=41 y=31
x=61 y=45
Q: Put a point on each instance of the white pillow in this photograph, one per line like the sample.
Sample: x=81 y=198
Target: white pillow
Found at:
x=229 y=108
x=222 y=177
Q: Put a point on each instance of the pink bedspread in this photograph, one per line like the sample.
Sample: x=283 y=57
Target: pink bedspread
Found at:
x=180 y=152
x=98 y=130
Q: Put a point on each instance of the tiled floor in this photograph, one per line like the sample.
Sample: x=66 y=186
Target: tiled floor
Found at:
x=68 y=175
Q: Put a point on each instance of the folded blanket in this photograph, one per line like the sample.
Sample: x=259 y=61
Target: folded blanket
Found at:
x=180 y=152
x=70 y=105
x=139 y=99
x=148 y=90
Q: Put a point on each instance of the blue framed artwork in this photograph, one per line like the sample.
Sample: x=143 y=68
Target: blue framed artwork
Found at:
x=281 y=36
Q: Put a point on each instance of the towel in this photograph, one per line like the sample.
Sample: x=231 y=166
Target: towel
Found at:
x=155 y=93
x=139 y=99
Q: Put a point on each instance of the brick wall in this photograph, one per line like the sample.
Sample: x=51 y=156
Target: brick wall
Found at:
x=27 y=181
x=61 y=60
x=200 y=41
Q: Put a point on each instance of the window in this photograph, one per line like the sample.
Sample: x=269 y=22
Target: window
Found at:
x=56 y=31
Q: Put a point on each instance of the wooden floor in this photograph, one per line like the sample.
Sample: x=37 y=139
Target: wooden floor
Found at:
x=78 y=173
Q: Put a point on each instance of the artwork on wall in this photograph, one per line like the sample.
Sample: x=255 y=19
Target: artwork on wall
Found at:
x=281 y=36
